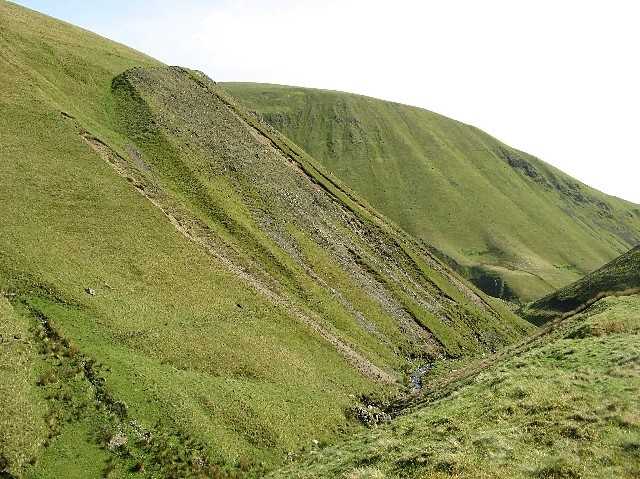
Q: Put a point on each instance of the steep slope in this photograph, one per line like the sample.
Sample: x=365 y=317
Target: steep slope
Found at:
x=182 y=290
x=619 y=276
x=563 y=404
x=508 y=221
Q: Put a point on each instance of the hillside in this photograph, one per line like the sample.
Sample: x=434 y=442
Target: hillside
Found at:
x=562 y=404
x=621 y=275
x=514 y=225
x=184 y=292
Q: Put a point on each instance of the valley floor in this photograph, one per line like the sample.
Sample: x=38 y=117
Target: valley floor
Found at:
x=564 y=406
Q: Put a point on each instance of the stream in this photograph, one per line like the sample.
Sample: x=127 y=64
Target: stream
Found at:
x=416 y=377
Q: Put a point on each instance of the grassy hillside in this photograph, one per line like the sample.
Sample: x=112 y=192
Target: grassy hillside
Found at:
x=511 y=223
x=561 y=405
x=621 y=275
x=183 y=292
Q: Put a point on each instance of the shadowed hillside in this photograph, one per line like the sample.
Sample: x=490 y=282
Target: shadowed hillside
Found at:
x=184 y=292
x=514 y=225
x=619 y=276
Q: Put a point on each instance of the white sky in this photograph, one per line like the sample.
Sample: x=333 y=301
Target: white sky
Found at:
x=557 y=79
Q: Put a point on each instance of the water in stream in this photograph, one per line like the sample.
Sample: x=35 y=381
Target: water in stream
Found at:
x=416 y=377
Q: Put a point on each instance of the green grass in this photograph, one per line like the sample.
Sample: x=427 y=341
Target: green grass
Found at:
x=22 y=424
x=75 y=452
x=564 y=405
x=619 y=276
x=509 y=222
x=244 y=300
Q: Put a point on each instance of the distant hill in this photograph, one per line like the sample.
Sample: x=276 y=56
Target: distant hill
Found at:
x=183 y=291
x=514 y=225
x=617 y=276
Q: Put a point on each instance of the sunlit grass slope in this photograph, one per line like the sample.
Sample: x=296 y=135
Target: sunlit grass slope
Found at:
x=564 y=405
x=513 y=224
x=621 y=276
x=183 y=292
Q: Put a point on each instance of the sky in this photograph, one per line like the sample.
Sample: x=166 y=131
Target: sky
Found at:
x=558 y=79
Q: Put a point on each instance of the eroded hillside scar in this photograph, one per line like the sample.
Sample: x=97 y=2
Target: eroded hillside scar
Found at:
x=198 y=233
x=257 y=130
